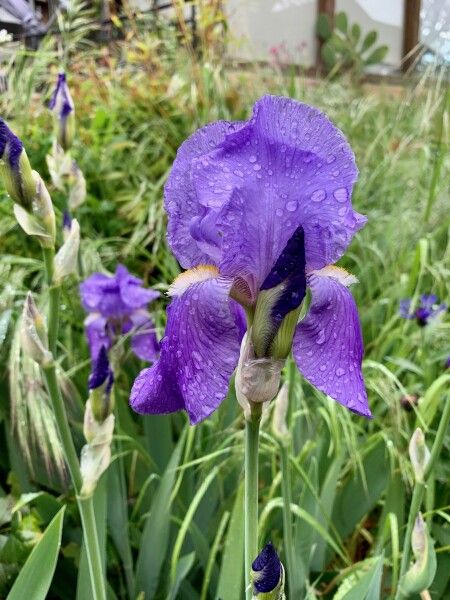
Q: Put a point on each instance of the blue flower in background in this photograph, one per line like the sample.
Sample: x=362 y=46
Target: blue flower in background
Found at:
x=428 y=309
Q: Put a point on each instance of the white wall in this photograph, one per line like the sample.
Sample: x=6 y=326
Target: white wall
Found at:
x=255 y=26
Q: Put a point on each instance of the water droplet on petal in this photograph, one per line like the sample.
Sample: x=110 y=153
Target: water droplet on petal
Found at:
x=252 y=158
x=291 y=206
x=340 y=372
x=341 y=195
x=318 y=195
x=321 y=337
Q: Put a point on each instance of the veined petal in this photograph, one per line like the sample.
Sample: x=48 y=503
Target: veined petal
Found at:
x=199 y=353
x=328 y=346
x=144 y=342
x=288 y=166
x=191 y=237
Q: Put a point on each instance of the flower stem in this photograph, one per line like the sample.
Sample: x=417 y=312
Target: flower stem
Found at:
x=53 y=300
x=85 y=505
x=251 y=494
x=294 y=587
x=419 y=490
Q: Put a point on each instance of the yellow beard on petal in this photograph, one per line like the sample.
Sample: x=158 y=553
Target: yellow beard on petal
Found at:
x=337 y=273
x=191 y=276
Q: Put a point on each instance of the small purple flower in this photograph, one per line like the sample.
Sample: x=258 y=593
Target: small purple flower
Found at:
x=61 y=104
x=429 y=308
x=116 y=306
x=258 y=213
x=267 y=571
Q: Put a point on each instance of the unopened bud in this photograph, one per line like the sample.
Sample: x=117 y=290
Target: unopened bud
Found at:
x=279 y=424
x=96 y=455
x=67 y=224
x=77 y=183
x=421 y=573
x=100 y=385
x=418 y=454
x=59 y=165
x=61 y=104
x=67 y=256
x=40 y=221
x=268 y=575
x=33 y=333
x=257 y=379
x=15 y=168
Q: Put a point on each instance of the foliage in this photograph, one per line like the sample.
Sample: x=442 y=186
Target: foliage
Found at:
x=351 y=480
x=345 y=48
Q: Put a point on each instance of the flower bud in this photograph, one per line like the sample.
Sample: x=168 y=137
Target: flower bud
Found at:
x=96 y=455
x=40 y=222
x=257 y=379
x=268 y=575
x=421 y=573
x=77 y=183
x=59 y=166
x=279 y=425
x=418 y=454
x=100 y=385
x=15 y=168
x=33 y=333
x=67 y=256
x=61 y=104
x=67 y=224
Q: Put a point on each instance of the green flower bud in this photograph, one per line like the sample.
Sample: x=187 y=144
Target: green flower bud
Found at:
x=421 y=574
x=33 y=333
x=66 y=259
x=418 y=454
x=15 y=168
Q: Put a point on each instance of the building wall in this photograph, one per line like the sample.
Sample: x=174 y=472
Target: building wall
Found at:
x=256 y=26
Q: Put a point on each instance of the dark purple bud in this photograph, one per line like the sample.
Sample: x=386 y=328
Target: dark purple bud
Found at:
x=101 y=372
x=10 y=146
x=266 y=570
x=16 y=169
x=67 y=220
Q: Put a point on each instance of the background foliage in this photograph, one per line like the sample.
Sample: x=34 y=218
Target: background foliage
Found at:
x=180 y=504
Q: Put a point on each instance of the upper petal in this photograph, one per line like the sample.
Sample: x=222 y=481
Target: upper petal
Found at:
x=97 y=334
x=199 y=353
x=191 y=239
x=144 y=342
x=328 y=346
x=132 y=294
x=287 y=166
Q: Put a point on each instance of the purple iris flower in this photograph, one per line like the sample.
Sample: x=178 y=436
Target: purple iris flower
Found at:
x=61 y=104
x=116 y=306
x=258 y=213
x=429 y=308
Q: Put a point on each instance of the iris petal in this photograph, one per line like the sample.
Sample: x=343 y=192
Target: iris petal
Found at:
x=328 y=345
x=199 y=353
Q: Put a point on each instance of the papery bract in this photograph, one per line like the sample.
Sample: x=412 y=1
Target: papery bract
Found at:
x=257 y=212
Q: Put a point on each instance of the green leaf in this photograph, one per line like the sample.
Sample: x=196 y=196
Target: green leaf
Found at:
x=328 y=56
x=230 y=584
x=369 y=41
x=184 y=565
x=323 y=27
x=377 y=56
x=36 y=575
x=155 y=537
x=355 y=33
x=364 y=583
x=341 y=22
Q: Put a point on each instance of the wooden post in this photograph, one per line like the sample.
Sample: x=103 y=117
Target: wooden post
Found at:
x=411 y=27
x=326 y=7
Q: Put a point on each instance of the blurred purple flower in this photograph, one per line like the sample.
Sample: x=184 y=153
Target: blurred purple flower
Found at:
x=61 y=104
x=258 y=210
x=116 y=305
x=101 y=373
x=429 y=308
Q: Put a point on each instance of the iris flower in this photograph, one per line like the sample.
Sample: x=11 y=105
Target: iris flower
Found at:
x=116 y=306
x=267 y=573
x=258 y=213
x=428 y=309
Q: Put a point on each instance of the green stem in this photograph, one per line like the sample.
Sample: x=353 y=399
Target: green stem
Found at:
x=251 y=495
x=85 y=505
x=53 y=300
x=419 y=490
x=294 y=588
